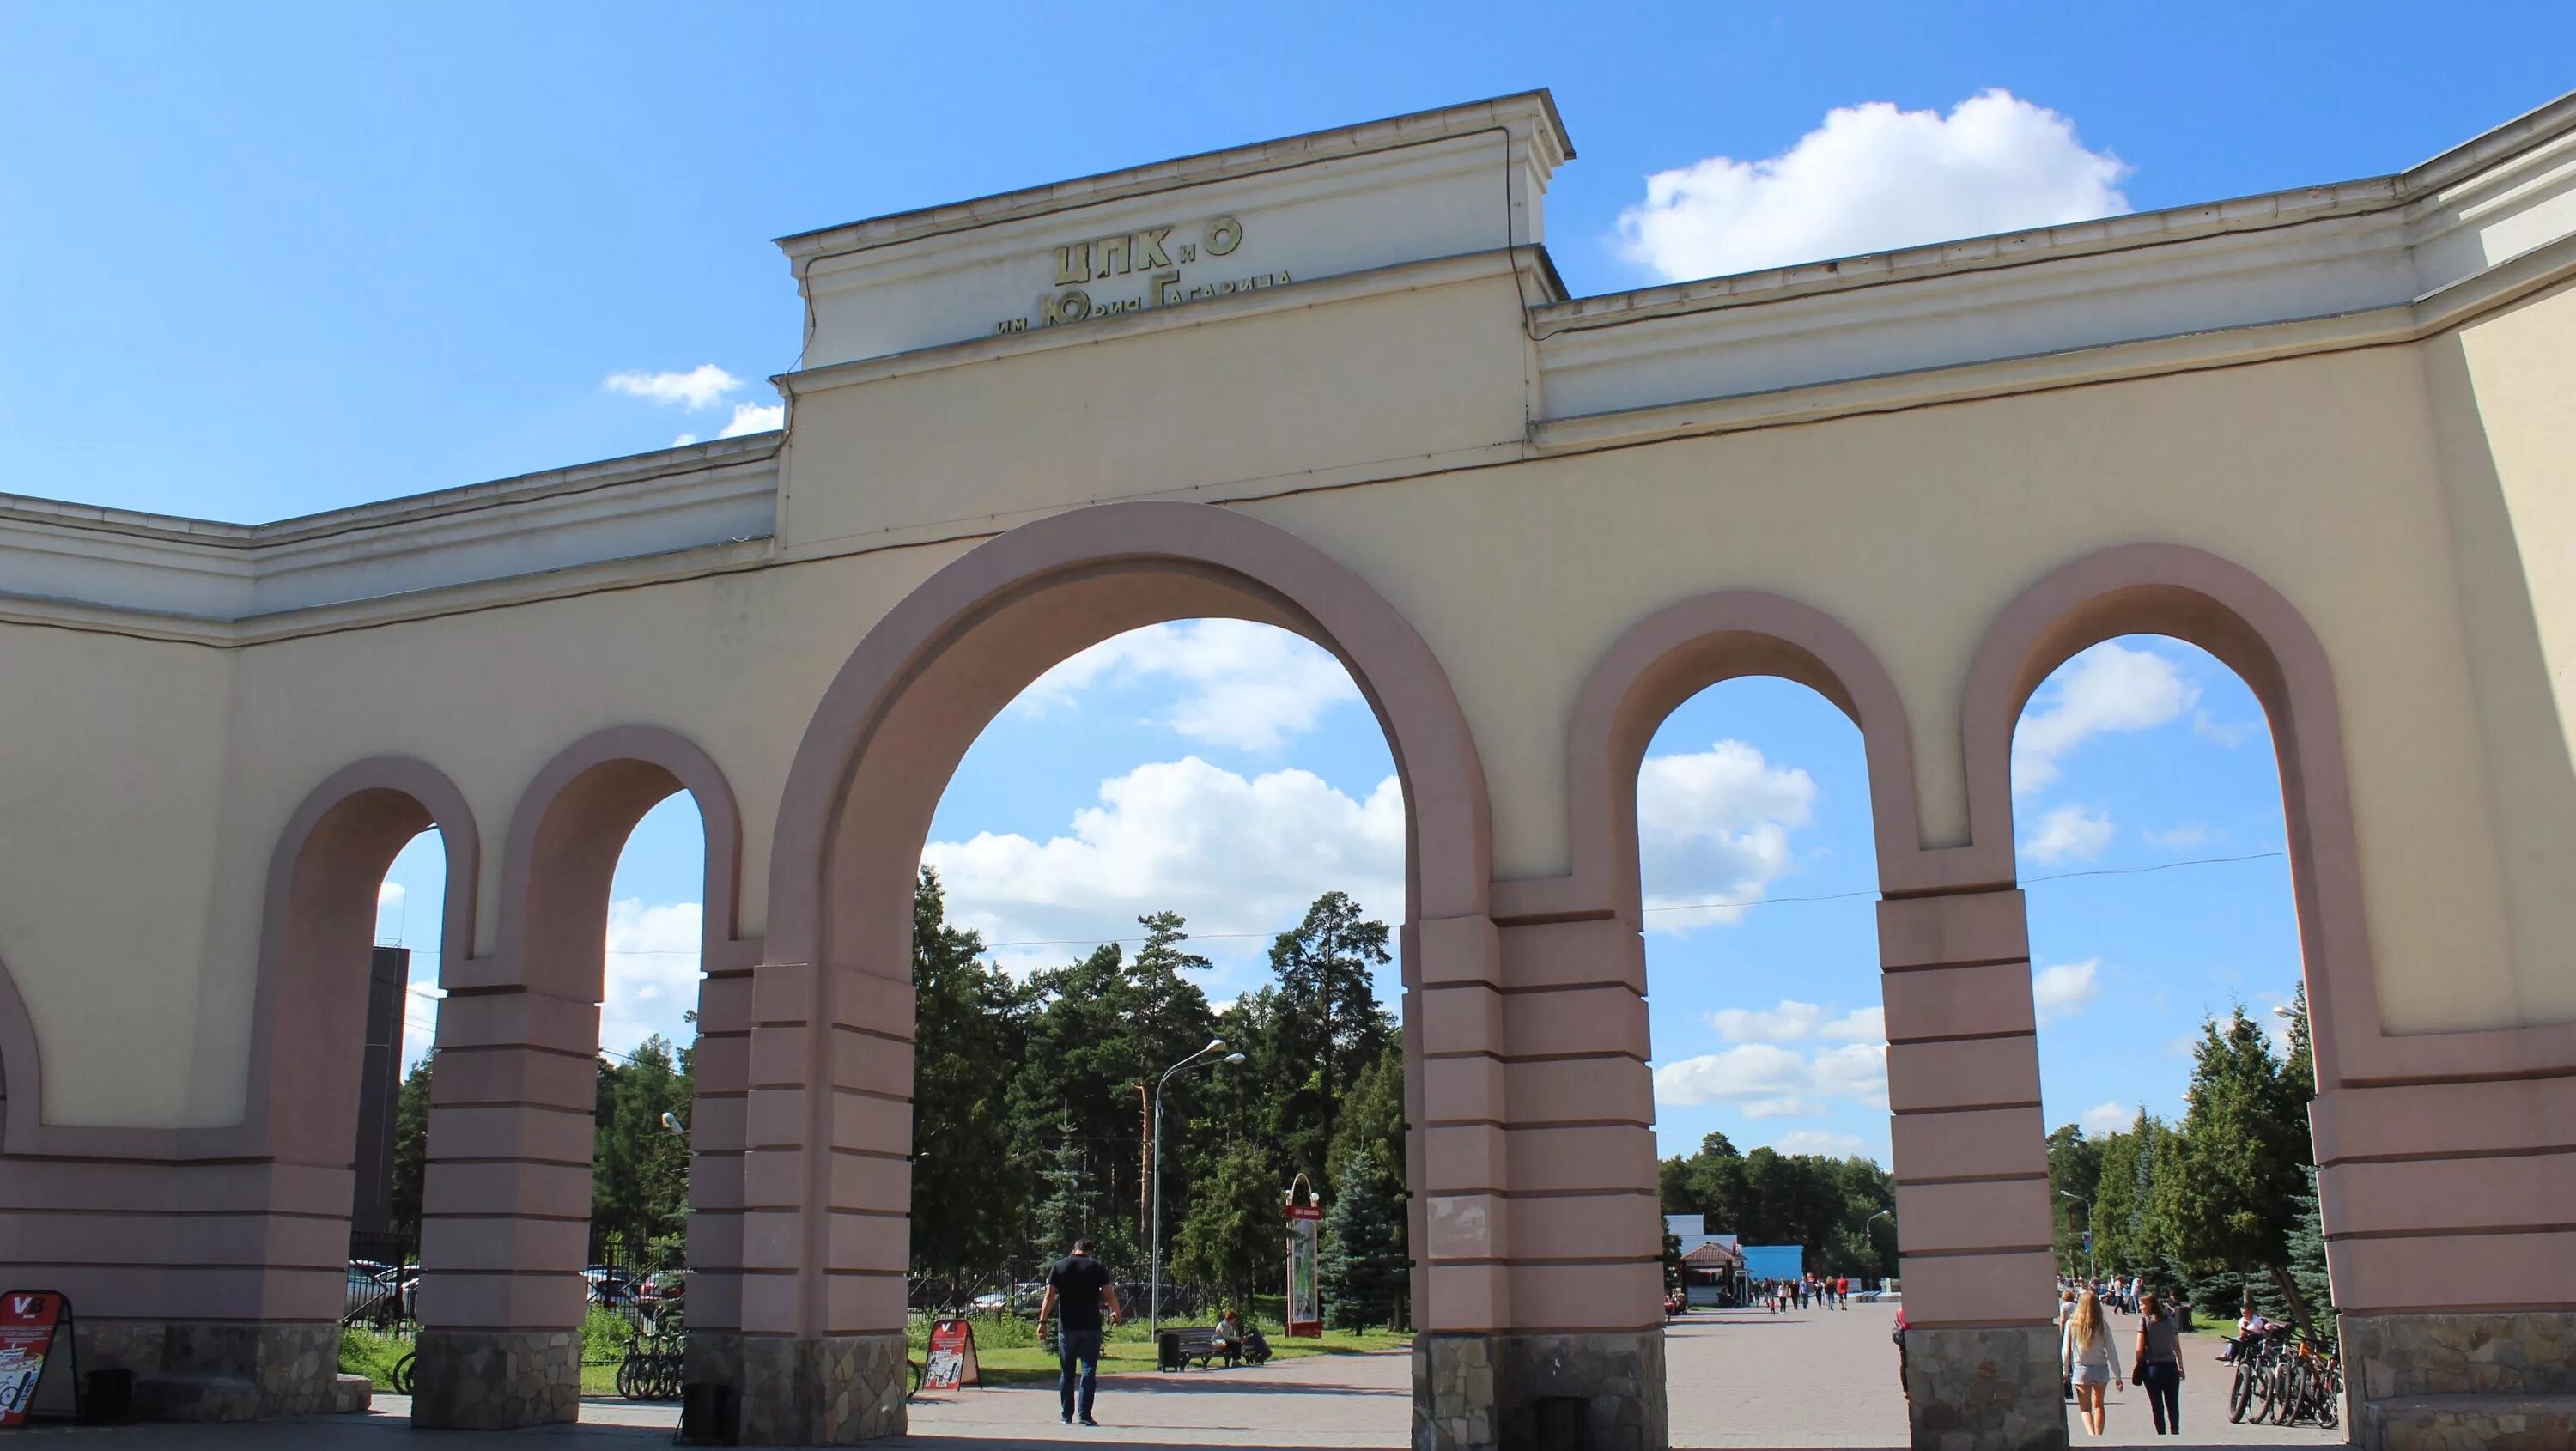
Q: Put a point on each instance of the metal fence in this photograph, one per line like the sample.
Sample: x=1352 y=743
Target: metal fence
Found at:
x=383 y=1284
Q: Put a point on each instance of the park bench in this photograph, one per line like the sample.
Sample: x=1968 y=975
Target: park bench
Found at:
x=1182 y=1345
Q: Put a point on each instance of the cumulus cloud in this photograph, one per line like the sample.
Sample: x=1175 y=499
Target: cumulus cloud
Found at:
x=2108 y=1118
x=684 y=440
x=1776 y=1080
x=2066 y=989
x=1242 y=684
x=755 y=418
x=2225 y=733
x=1873 y=178
x=1860 y=1025
x=699 y=387
x=1233 y=855
x=389 y=896
x=2068 y=834
x=1791 y=1019
x=652 y=972
x=2107 y=688
x=1818 y=1141
x=1713 y=826
x=2183 y=838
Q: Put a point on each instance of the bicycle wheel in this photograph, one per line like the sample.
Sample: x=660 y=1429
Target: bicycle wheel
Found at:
x=626 y=1377
x=402 y=1376
x=2240 y=1396
x=2330 y=1397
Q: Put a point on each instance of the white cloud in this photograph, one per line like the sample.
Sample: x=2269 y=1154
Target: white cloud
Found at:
x=2108 y=1118
x=2183 y=838
x=1773 y=1080
x=1860 y=1025
x=652 y=972
x=1857 y=1071
x=684 y=440
x=699 y=387
x=1750 y=1070
x=1242 y=684
x=1713 y=826
x=2107 y=688
x=2225 y=733
x=2068 y=834
x=1873 y=178
x=1789 y=1020
x=1818 y=1141
x=2066 y=989
x=389 y=896
x=1232 y=855
x=755 y=418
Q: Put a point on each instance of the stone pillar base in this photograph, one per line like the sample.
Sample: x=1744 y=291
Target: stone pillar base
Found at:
x=496 y=1380
x=1993 y=1389
x=1507 y=1391
x=218 y=1370
x=835 y=1391
x=2436 y=1380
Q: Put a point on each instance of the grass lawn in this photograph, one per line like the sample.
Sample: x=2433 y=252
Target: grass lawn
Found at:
x=1008 y=1351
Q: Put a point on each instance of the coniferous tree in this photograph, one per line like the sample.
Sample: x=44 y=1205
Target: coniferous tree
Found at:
x=2225 y=1189
x=411 y=1151
x=1328 y=1022
x=970 y=1180
x=2074 y=1168
x=1360 y=1266
x=1236 y=1238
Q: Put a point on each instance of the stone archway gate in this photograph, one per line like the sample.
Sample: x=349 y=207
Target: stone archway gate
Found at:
x=1332 y=383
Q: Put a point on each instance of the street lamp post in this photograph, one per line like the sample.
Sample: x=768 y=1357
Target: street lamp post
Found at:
x=2091 y=1265
x=1873 y=1219
x=1154 y=1275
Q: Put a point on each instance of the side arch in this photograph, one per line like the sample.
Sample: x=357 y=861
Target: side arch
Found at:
x=1674 y=654
x=317 y=928
x=21 y=1068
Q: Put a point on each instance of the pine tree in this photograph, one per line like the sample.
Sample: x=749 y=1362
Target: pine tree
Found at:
x=2307 y=1253
x=1360 y=1267
x=411 y=1151
x=1235 y=1237
x=1070 y=1206
x=1329 y=1024
x=2226 y=1202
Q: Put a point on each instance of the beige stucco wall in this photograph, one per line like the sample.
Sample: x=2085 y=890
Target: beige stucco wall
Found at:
x=112 y=783
x=2504 y=396
x=132 y=927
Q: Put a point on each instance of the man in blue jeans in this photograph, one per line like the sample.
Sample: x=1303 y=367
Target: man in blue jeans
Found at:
x=1078 y=1287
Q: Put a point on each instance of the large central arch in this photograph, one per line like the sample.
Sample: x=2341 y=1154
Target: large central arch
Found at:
x=827 y=1134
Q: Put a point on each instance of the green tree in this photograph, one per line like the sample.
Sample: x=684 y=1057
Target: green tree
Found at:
x=411 y=1151
x=2227 y=1198
x=1235 y=1237
x=2074 y=1168
x=639 y=1170
x=970 y=1179
x=1371 y=1123
x=1328 y=1020
x=1360 y=1266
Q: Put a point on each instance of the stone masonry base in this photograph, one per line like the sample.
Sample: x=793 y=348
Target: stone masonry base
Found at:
x=218 y=1370
x=836 y=1391
x=1990 y=1389
x=2433 y=1382
x=1514 y=1392
x=496 y=1380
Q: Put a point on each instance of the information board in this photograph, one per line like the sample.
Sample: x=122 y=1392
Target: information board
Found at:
x=27 y=1322
x=952 y=1357
x=1305 y=1305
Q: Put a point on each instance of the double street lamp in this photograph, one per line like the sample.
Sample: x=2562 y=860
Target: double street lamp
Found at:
x=1154 y=1276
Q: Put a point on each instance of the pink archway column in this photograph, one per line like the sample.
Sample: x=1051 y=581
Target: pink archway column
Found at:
x=506 y=1207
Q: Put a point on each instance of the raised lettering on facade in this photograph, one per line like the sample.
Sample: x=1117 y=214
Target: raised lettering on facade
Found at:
x=1147 y=253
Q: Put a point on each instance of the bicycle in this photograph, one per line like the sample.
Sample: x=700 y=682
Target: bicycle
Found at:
x=651 y=1369
x=402 y=1376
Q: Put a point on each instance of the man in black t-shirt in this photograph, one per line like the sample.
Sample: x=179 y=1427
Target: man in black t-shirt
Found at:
x=1078 y=1287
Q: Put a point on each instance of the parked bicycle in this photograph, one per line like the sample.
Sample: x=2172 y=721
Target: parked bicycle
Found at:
x=651 y=1369
x=2284 y=1381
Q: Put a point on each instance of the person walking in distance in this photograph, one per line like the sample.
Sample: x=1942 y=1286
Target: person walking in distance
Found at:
x=1078 y=1293
x=2159 y=1363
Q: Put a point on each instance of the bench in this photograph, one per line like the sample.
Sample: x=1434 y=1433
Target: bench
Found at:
x=1182 y=1345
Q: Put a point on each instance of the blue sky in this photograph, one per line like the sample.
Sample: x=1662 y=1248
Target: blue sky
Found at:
x=330 y=255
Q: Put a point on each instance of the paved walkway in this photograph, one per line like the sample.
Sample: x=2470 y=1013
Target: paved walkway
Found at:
x=1737 y=1379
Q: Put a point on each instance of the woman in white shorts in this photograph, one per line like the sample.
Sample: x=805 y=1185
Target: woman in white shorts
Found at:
x=2090 y=1362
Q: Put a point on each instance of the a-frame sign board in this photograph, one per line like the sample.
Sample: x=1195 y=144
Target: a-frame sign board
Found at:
x=36 y=1335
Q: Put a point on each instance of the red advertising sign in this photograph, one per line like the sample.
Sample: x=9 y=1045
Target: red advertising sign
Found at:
x=1305 y=1303
x=27 y=1321
x=952 y=1357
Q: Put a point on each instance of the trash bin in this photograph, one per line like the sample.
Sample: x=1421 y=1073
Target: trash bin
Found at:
x=107 y=1397
x=706 y=1413
x=1563 y=1424
x=1167 y=1351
